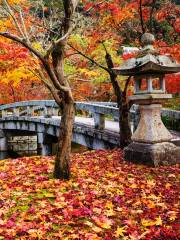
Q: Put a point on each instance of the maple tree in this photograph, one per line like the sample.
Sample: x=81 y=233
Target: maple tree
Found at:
x=106 y=199
x=16 y=76
x=24 y=90
x=105 y=27
x=17 y=81
x=109 y=25
x=44 y=31
x=99 y=55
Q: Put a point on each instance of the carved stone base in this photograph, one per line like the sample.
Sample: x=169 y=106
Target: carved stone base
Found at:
x=151 y=128
x=158 y=154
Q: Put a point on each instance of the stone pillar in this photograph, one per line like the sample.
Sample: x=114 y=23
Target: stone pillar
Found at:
x=4 y=113
x=16 y=112
x=3 y=146
x=49 y=112
x=43 y=148
x=152 y=141
x=28 y=111
x=99 y=121
x=134 y=117
x=55 y=111
x=41 y=112
x=32 y=111
x=151 y=128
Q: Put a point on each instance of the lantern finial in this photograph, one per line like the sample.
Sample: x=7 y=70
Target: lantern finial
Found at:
x=147 y=39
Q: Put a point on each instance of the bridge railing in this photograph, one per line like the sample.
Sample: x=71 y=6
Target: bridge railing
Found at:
x=49 y=108
x=98 y=110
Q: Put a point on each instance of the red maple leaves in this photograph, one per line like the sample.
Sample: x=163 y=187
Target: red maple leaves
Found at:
x=106 y=199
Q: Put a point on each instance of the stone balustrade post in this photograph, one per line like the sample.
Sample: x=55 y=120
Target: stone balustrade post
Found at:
x=4 y=113
x=49 y=112
x=28 y=111
x=45 y=111
x=16 y=112
x=134 y=117
x=41 y=112
x=55 y=112
x=43 y=148
x=99 y=121
x=32 y=111
x=3 y=145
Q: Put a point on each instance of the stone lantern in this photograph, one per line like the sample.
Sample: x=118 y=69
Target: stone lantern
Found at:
x=151 y=142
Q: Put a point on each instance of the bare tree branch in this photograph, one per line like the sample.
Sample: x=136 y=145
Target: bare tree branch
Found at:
x=126 y=86
x=61 y=41
x=24 y=26
x=52 y=89
x=104 y=47
x=11 y=13
x=41 y=58
x=141 y=17
x=151 y=15
x=24 y=43
x=90 y=59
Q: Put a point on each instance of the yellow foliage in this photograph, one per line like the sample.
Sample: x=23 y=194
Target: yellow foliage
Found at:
x=88 y=73
x=172 y=215
x=120 y=232
x=149 y=222
x=14 y=2
x=37 y=46
x=103 y=222
x=17 y=75
x=158 y=221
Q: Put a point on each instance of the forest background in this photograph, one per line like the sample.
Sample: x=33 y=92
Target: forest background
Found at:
x=104 y=26
x=71 y=46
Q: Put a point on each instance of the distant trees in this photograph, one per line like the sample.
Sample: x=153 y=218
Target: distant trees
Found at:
x=17 y=80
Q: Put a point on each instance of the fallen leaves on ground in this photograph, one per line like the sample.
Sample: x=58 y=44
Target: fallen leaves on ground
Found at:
x=105 y=199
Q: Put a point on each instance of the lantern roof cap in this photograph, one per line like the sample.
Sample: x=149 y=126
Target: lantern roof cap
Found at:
x=148 y=60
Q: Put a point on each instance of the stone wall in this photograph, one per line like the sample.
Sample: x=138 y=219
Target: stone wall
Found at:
x=22 y=145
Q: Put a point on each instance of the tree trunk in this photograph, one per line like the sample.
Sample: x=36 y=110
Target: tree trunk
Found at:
x=62 y=160
x=125 y=131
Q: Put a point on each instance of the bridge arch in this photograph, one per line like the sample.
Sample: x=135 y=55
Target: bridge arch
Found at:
x=43 y=119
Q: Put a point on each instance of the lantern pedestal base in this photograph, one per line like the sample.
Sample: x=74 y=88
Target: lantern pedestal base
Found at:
x=151 y=128
x=157 y=154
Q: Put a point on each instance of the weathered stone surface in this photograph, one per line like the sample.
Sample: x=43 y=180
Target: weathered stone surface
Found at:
x=148 y=60
x=99 y=121
x=84 y=132
x=106 y=108
x=146 y=99
x=43 y=148
x=3 y=145
x=151 y=128
x=157 y=154
x=151 y=140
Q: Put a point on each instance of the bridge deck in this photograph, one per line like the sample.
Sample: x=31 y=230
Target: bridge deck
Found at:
x=42 y=116
x=109 y=125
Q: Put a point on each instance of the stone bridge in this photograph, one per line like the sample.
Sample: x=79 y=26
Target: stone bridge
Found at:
x=96 y=124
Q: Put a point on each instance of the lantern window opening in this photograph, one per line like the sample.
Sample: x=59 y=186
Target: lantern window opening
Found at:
x=149 y=83
x=156 y=85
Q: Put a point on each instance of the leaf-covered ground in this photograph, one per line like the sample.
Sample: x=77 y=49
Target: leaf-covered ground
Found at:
x=106 y=199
